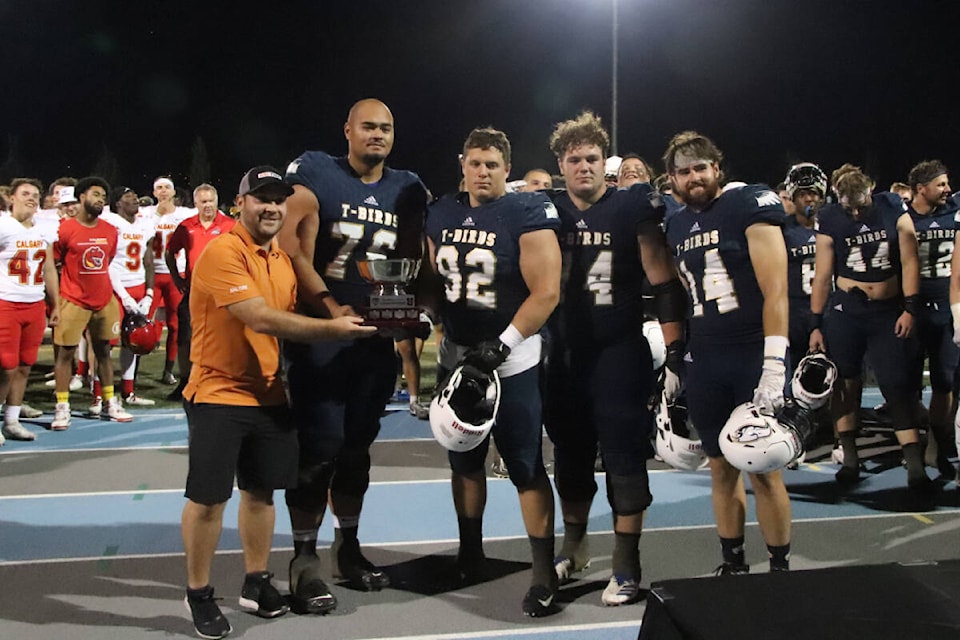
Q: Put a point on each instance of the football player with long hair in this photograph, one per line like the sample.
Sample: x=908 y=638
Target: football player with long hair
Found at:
x=730 y=251
x=865 y=300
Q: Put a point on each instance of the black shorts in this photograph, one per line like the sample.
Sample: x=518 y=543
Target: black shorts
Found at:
x=258 y=445
x=719 y=379
x=855 y=328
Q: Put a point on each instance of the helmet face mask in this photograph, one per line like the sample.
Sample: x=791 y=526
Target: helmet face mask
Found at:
x=806 y=175
x=464 y=411
x=812 y=382
x=138 y=334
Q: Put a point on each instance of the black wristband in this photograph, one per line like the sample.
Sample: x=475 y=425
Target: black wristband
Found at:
x=670 y=301
x=911 y=304
x=674 y=359
x=816 y=321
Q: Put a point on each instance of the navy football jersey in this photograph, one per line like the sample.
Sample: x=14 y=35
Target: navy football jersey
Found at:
x=801 y=255
x=355 y=218
x=726 y=304
x=478 y=257
x=866 y=249
x=935 y=232
x=601 y=290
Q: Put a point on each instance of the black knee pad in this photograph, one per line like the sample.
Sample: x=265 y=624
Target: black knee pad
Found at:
x=629 y=495
x=313 y=481
x=525 y=478
x=574 y=476
x=352 y=475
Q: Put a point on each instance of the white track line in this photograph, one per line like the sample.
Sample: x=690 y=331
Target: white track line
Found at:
x=447 y=541
x=517 y=633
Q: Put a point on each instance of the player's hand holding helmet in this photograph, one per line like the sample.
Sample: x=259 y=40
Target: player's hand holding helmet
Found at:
x=487 y=356
x=676 y=439
x=129 y=304
x=463 y=412
x=145 y=304
x=670 y=375
x=768 y=395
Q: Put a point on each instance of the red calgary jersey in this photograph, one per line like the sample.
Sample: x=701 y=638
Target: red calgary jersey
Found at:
x=85 y=254
x=191 y=236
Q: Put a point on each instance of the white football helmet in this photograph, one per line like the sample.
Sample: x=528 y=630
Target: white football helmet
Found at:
x=464 y=411
x=658 y=348
x=676 y=440
x=758 y=443
x=812 y=382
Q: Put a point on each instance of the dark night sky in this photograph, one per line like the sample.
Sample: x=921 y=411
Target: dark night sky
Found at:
x=772 y=81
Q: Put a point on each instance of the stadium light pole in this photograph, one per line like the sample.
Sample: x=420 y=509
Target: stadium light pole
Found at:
x=613 y=118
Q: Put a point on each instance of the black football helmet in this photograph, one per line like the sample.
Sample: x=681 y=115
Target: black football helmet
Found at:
x=806 y=175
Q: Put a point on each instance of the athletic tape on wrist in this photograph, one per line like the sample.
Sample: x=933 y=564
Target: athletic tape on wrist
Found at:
x=775 y=348
x=511 y=337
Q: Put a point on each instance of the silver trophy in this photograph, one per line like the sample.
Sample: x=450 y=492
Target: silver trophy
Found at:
x=392 y=309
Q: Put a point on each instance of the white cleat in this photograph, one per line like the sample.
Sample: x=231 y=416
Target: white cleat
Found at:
x=836 y=456
x=567 y=567
x=28 y=412
x=16 y=431
x=76 y=382
x=61 y=417
x=96 y=408
x=133 y=400
x=620 y=590
x=116 y=412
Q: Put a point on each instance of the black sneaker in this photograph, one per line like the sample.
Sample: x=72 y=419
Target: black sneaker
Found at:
x=730 y=569
x=260 y=597
x=308 y=592
x=350 y=565
x=208 y=620
x=847 y=475
x=539 y=601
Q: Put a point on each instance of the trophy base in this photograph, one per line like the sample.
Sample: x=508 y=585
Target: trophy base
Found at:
x=400 y=329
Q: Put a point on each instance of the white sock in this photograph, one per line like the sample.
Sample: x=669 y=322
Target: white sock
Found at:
x=11 y=413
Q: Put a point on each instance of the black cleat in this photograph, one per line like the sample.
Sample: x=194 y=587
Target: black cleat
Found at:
x=308 y=592
x=847 y=475
x=730 y=569
x=350 y=565
x=539 y=601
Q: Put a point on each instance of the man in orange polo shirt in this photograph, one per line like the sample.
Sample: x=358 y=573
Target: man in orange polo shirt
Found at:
x=243 y=292
x=191 y=236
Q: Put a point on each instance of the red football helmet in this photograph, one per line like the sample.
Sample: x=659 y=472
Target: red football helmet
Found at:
x=138 y=334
